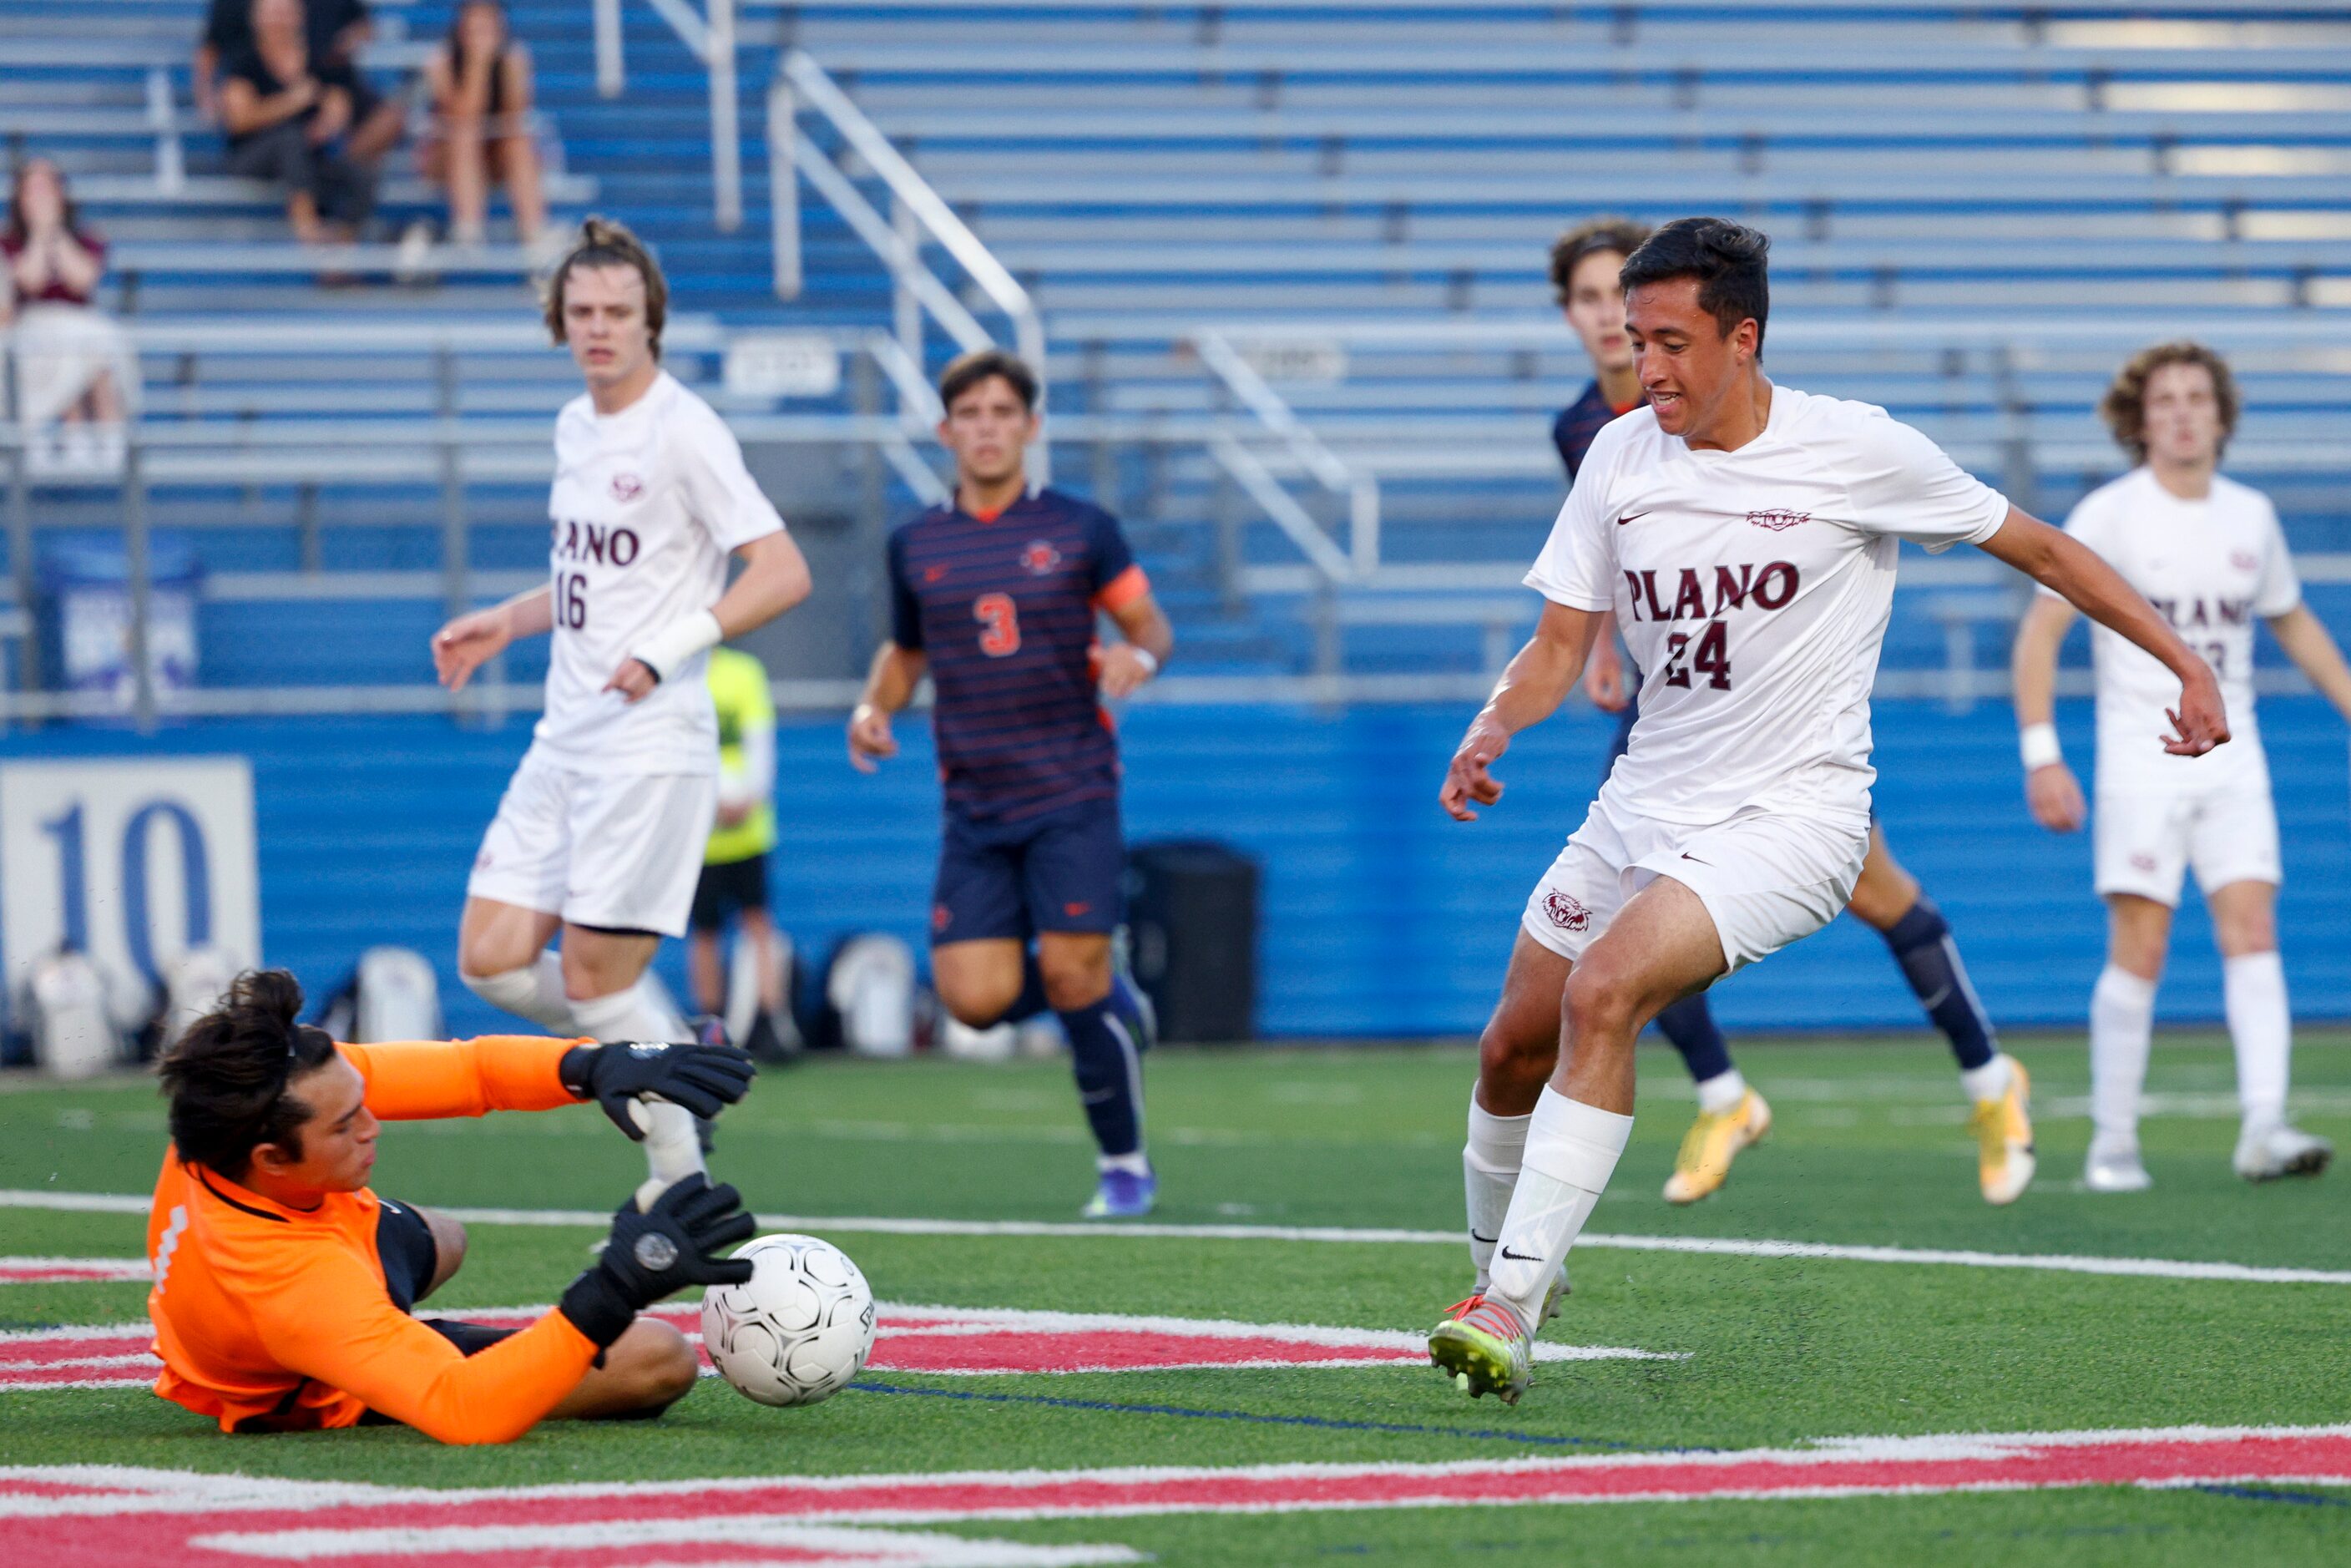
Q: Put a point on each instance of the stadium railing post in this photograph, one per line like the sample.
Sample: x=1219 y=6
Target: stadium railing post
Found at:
x=140 y=568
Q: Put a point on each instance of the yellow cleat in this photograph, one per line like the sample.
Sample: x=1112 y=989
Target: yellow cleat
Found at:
x=1483 y=1348
x=2003 y=1129
x=1711 y=1144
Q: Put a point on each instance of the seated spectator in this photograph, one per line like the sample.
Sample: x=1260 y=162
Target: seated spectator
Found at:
x=335 y=31
x=76 y=373
x=480 y=82
x=289 y=124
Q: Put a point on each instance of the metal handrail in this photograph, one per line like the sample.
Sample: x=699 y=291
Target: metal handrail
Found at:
x=709 y=39
x=1276 y=417
x=916 y=211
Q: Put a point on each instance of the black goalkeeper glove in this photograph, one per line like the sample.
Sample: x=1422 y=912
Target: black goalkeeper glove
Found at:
x=669 y=1246
x=705 y=1078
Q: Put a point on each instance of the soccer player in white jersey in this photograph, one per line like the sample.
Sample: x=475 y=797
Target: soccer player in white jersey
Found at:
x=600 y=835
x=2208 y=551
x=1745 y=534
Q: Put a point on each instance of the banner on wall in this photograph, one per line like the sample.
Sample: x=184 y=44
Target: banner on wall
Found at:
x=130 y=862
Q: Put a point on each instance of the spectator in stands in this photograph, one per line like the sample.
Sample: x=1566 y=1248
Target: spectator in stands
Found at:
x=290 y=123
x=77 y=374
x=480 y=82
x=335 y=31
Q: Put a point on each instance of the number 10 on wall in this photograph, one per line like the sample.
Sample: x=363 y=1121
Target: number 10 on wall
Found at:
x=132 y=861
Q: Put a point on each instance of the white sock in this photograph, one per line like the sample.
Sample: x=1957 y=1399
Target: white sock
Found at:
x=1989 y=1082
x=673 y=1153
x=1572 y=1151
x=2262 y=1027
x=1490 y=1170
x=1136 y=1164
x=2122 y=1031
x=1720 y=1094
x=533 y=992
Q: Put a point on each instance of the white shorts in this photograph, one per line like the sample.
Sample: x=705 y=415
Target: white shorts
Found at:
x=1767 y=878
x=620 y=851
x=2146 y=840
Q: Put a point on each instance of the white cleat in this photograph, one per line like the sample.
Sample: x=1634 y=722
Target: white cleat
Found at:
x=2265 y=1153
x=2115 y=1167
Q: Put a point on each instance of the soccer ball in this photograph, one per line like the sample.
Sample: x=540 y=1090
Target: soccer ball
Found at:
x=798 y=1330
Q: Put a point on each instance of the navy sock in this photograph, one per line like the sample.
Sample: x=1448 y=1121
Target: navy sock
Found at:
x=1922 y=944
x=1127 y=1008
x=1109 y=1067
x=1031 y=999
x=1689 y=1024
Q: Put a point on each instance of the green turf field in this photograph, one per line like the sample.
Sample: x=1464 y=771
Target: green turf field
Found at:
x=1869 y=1149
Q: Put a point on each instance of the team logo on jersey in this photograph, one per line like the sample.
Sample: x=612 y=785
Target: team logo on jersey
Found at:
x=1566 y=913
x=1039 y=557
x=627 y=486
x=2246 y=560
x=2143 y=861
x=1779 y=520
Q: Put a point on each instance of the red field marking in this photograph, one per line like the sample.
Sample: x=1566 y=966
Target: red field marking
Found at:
x=953 y=1342
x=70 y=1270
x=104 y=1517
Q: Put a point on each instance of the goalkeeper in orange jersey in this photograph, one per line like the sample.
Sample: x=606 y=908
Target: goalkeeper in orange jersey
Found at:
x=283 y=1285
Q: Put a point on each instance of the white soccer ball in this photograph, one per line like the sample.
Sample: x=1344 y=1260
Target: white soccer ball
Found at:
x=798 y=1330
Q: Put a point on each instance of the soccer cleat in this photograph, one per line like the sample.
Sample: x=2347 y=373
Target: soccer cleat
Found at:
x=2003 y=1129
x=2265 y=1153
x=2115 y=1167
x=1485 y=1348
x=1122 y=1195
x=1711 y=1144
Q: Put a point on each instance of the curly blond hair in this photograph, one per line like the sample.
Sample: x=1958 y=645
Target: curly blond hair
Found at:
x=603 y=243
x=2124 y=408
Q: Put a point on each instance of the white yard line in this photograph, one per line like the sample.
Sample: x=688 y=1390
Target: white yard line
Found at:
x=1724 y=1246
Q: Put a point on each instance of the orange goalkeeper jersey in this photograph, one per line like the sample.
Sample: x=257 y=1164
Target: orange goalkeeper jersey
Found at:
x=275 y=1318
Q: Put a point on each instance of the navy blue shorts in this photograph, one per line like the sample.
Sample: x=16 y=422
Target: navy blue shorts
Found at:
x=1057 y=871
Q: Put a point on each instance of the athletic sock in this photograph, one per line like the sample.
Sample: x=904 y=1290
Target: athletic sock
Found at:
x=1989 y=1082
x=1110 y=1074
x=1720 y=1094
x=1689 y=1024
x=1127 y=1008
x=1572 y=1151
x=1489 y=1169
x=2261 y=1026
x=1922 y=943
x=2122 y=1031
x=535 y=992
x=672 y=1152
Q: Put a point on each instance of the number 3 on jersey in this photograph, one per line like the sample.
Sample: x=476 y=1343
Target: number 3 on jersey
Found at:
x=1000 y=624
x=1712 y=658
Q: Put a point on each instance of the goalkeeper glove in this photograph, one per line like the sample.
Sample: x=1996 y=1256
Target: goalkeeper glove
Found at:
x=651 y=1254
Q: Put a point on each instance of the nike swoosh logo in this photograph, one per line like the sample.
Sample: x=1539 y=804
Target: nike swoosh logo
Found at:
x=1488 y=1240
x=1694 y=860
x=1621 y=521
x=1519 y=1257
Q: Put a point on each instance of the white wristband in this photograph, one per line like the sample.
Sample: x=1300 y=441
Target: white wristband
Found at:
x=2037 y=743
x=676 y=643
x=1149 y=660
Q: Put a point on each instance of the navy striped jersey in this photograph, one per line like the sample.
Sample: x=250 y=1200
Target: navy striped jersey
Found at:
x=1004 y=607
x=1578 y=423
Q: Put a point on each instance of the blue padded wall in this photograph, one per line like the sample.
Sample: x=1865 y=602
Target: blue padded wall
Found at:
x=1382 y=917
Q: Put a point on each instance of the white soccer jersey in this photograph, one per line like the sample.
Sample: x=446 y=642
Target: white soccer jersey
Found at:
x=1754 y=588
x=2212 y=568
x=647 y=507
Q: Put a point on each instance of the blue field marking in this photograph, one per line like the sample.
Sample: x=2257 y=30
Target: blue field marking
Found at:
x=1321 y=1422
x=2270 y=1494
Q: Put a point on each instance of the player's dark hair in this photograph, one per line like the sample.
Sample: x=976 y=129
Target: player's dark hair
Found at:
x=1620 y=235
x=2124 y=408
x=228 y=1076
x=1728 y=259
x=603 y=243
x=965 y=372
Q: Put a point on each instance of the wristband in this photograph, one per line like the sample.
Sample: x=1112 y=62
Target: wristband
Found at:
x=1150 y=660
x=2037 y=744
x=676 y=643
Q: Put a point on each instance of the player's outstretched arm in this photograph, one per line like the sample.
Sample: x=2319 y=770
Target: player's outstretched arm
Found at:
x=1531 y=690
x=2068 y=566
x=2051 y=790
x=2306 y=642
x=1149 y=641
x=469 y=641
x=889 y=686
